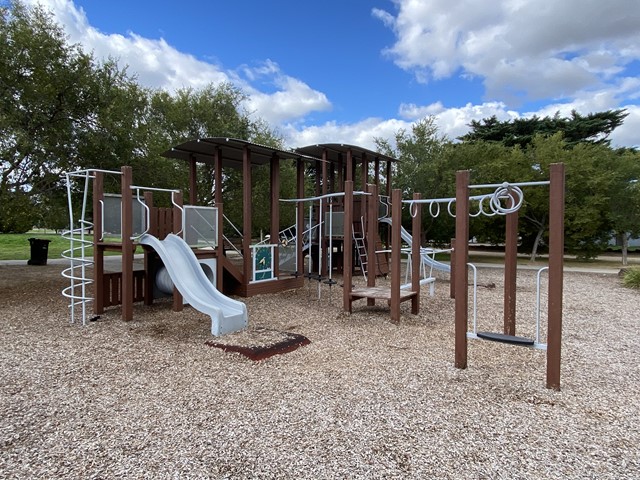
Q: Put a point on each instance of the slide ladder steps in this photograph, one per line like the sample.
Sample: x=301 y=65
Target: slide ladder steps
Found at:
x=504 y=338
x=361 y=250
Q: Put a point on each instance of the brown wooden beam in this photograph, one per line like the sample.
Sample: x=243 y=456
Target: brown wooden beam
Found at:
x=396 y=245
x=127 y=244
x=347 y=270
x=178 y=301
x=246 y=213
x=372 y=233
x=461 y=269
x=416 y=260
x=300 y=227
x=98 y=252
x=556 y=278
x=193 y=180
x=275 y=210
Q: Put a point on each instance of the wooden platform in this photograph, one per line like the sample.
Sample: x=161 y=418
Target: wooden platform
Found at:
x=380 y=293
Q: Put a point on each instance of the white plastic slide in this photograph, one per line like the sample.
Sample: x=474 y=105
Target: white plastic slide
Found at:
x=426 y=259
x=227 y=315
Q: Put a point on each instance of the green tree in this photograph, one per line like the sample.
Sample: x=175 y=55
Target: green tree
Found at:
x=59 y=110
x=591 y=128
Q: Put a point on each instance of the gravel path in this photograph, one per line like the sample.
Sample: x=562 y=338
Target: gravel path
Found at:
x=366 y=399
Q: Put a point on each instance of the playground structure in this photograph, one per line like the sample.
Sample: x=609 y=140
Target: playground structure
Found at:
x=253 y=268
x=341 y=233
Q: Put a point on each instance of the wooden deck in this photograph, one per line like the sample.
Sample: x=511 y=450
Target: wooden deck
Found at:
x=380 y=293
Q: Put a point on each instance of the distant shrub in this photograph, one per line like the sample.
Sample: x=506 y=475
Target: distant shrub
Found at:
x=631 y=278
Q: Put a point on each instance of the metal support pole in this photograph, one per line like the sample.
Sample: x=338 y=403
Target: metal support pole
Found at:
x=461 y=269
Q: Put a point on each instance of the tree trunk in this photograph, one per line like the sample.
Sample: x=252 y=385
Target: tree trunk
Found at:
x=625 y=248
x=541 y=227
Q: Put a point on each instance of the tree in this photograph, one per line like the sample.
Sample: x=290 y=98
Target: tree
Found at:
x=592 y=128
x=423 y=167
x=58 y=108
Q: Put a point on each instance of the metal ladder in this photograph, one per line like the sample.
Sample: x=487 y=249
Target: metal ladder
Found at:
x=361 y=248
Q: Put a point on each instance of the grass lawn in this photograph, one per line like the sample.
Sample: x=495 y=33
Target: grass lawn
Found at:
x=16 y=246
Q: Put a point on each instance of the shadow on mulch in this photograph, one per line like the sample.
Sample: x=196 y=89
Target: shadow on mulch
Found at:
x=262 y=352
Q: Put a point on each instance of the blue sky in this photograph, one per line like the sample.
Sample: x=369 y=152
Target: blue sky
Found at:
x=351 y=70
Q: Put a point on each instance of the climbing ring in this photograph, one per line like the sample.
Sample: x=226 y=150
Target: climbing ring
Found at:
x=506 y=191
x=413 y=209
x=437 y=212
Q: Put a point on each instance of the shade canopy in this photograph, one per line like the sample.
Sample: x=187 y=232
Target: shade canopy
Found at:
x=231 y=150
x=336 y=152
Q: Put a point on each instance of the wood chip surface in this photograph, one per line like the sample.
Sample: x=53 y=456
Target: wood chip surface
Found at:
x=366 y=399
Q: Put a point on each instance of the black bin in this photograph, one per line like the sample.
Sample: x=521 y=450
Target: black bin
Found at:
x=39 y=251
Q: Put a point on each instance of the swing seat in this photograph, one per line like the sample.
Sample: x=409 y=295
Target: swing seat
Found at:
x=503 y=338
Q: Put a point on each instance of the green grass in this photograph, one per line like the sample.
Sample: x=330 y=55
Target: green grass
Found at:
x=16 y=246
x=631 y=278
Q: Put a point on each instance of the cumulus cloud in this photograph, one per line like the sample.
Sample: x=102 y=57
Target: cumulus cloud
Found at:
x=522 y=50
x=159 y=65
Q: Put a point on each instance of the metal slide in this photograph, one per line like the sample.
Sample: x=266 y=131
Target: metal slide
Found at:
x=227 y=315
x=426 y=259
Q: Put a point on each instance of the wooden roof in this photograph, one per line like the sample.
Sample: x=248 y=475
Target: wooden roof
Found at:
x=338 y=151
x=203 y=150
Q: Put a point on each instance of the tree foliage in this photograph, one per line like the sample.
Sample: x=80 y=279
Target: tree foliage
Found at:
x=602 y=188
x=591 y=128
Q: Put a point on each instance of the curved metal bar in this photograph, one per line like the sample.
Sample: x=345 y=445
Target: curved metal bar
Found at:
x=431 y=204
x=537 y=340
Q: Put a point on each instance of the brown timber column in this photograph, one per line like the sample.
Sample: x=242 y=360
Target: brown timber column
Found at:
x=510 y=269
x=365 y=172
x=376 y=174
x=220 y=248
x=396 y=245
x=217 y=196
x=193 y=180
x=275 y=211
x=416 y=226
x=556 y=262
x=178 y=302
x=246 y=214
x=349 y=173
x=126 y=287
x=340 y=168
x=217 y=176
x=372 y=228
x=461 y=269
x=348 y=246
x=452 y=269
x=98 y=252
x=149 y=263
x=389 y=169
x=300 y=227
x=322 y=238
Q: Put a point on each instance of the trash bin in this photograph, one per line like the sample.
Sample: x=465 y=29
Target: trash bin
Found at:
x=39 y=251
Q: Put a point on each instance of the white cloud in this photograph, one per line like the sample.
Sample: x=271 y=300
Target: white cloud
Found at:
x=522 y=50
x=159 y=65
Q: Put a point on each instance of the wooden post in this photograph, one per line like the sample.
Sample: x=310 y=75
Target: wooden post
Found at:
x=396 y=245
x=217 y=175
x=365 y=171
x=452 y=269
x=510 y=269
x=556 y=263
x=126 y=288
x=372 y=230
x=246 y=215
x=461 y=272
x=349 y=173
x=220 y=248
x=416 y=260
x=300 y=227
x=98 y=251
x=347 y=259
x=275 y=211
x=376 y=174
x=149 y=262
x=178 y=302
x=193 y=180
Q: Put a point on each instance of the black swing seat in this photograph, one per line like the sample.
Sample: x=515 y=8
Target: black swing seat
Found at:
x=501 y=337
